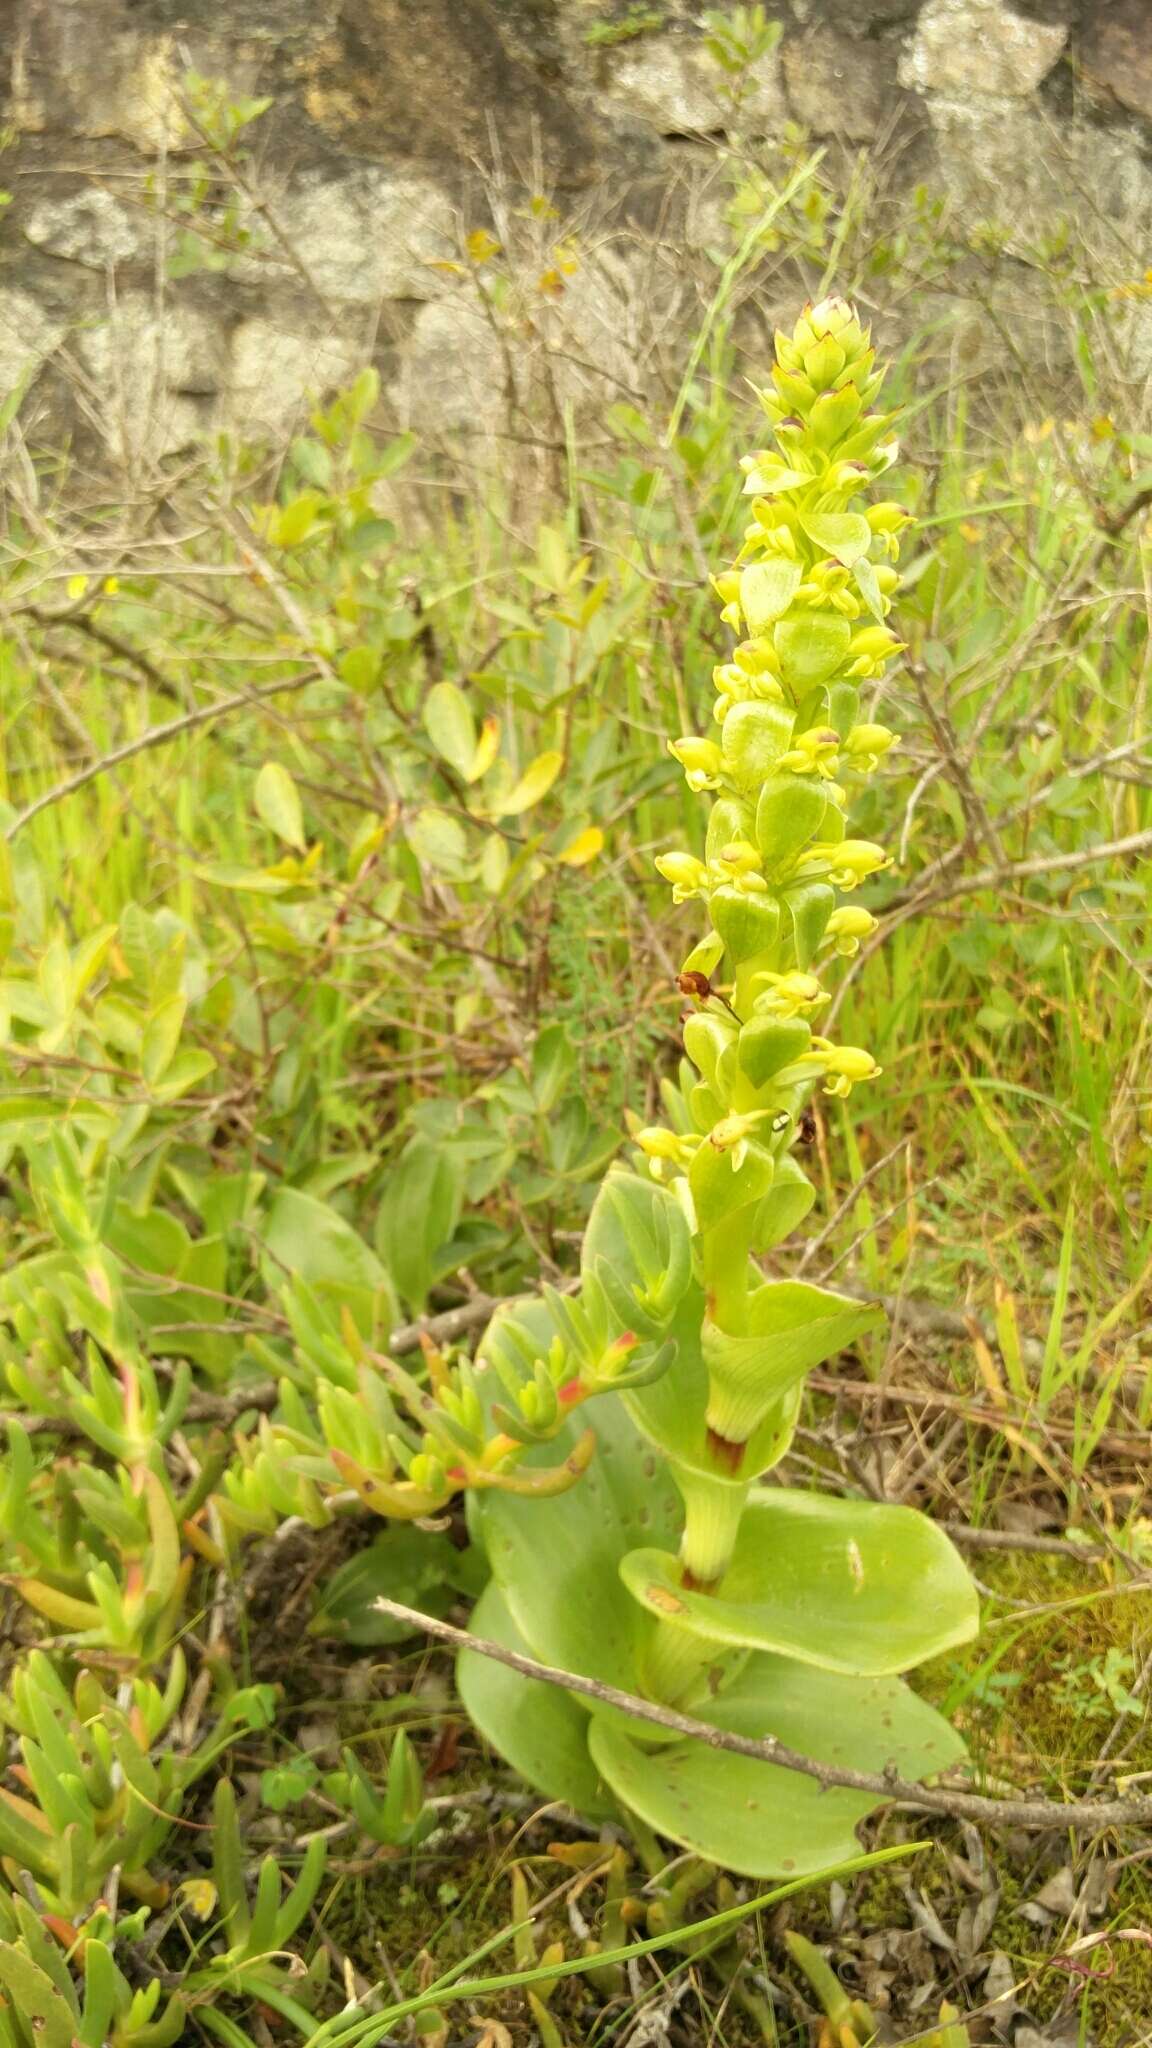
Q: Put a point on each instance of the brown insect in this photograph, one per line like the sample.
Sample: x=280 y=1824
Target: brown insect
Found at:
x=806 y=1131
x=693 y=983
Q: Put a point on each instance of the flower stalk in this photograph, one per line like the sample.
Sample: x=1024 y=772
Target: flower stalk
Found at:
x=809 y=598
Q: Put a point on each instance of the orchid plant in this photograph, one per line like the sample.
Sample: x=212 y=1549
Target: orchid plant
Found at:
x=646 y=1552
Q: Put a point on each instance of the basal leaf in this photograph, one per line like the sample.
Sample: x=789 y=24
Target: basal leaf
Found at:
x=849 y=1585
x=757 y=1818
x=539 y=1729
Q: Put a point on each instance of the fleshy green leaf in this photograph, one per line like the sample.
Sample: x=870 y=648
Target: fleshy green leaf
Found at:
x=811 y=646
x=757 y=1818
x=540 y=1730
x=752 y=739
x=791 y=1326
x=849 y=1585
x=767 y=589
x=562 y=1583
x=846 y=535
x=789 y=814
x=719 y=1187
x=810 y=905
x=784 y=1207
x=747 y=924
x=768 y=1043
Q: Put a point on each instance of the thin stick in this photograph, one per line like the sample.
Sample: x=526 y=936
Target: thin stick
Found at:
x=1086 y=1817
x=156 y=736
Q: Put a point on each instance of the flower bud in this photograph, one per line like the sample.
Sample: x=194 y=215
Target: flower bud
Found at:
x=700 y=760
x=849 y=862
x=813 y=753
x=687 y=875
x=787 y=995
x=658 y=1143
x=870 y=648
x=844 y=1065
x=740 y=857
x=847 y=927
x=866 y=746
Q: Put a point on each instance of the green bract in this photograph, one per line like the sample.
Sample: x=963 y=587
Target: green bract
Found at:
x=659 y=1563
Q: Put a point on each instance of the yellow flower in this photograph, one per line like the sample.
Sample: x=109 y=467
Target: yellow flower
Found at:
x=847 y=926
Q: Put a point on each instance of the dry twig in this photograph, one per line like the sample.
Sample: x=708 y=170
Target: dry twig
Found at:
x=1090 y=1816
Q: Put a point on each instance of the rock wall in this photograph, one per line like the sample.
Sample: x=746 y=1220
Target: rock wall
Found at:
x=143 y=286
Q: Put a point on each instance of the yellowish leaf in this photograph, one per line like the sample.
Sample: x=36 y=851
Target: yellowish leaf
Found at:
x=535 y=783
x=482 y=246
x=487 y=747
x=583 y=848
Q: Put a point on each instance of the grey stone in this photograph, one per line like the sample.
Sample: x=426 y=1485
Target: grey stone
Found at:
x=276 y=369
x=147 y=367
x=369 y=234
x=980 y=47
x=92 y=227
x=452 y=372
x=1014 y=167
x=671 y=83
x=28 y=334
x=837 y=87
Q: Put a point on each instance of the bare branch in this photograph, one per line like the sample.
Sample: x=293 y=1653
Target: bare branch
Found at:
x=1085 y=1817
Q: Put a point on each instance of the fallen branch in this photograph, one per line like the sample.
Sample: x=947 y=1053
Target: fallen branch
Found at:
x=1087 y=1817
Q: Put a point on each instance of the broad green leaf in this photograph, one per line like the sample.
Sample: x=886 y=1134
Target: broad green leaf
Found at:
x=811 y=646
x=752 y=739
x=850 y=1585
x=553 y=1065
x=418 y=1215
x=161 y=1037
x=809 y=905
x=450 y=725
x=439 y=842
x=784 y=1207
x=534 y=784
x=792 y=1327
x=768 y=1043
x=747 y=924
x=415 y=1566
x=790 y=813
x=540 y=1730
x=307 y=1240
x=757 y=1818
x=637 y=1241
x=846 y=535
x=719 y=1187
x=766 y=590
x=672 y=1411
x=278 y=804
